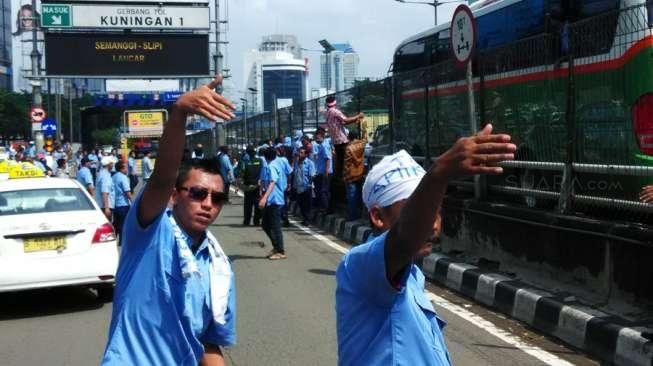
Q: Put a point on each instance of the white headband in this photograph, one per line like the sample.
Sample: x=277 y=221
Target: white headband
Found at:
x=392 y=179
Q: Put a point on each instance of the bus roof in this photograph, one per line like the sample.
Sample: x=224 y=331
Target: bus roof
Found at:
x=478 y=9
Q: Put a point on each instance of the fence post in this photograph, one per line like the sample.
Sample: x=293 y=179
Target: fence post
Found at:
x=565 y=204
x=317 y=113
x=427 y=117
x=390 y=99
x=303 y=108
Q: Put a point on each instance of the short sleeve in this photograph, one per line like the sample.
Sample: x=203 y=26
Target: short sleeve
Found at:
x=137 y=235
x=87 y=178
x=274 y=174
x=326 y=147
x=107 y=186
x=124 y=182
x=224 y=334
x=340 y=116
x=364 y=271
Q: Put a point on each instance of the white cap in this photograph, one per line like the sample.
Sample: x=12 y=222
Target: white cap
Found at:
x=392 y=179
x=106 y=160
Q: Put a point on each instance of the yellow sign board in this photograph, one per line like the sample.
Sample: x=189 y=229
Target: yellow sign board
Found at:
x=24 y=170
x=148 y=123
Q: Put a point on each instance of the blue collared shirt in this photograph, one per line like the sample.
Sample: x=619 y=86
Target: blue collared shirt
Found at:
x=120 y=187
x=304 y=173
x=104 y=184
x=160 y=317
x=131 y=166
x=283 y=165
x=278 y=176
x=322 y=153
x=226 y=169
x=380 y=325
x=85 y=177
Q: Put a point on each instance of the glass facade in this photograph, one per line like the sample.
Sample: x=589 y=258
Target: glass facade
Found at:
x=282 y=84
x=5 y=46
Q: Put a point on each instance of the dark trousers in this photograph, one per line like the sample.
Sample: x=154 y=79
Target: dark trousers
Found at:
x=119 y=215
x=304 y=201
x=133 y=181
x=284 y=211
x=272 y=226
x=322 y=187
x=226 y=190
x=251 y=203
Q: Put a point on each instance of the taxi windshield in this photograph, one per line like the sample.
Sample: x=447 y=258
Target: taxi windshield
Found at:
x=43 y=201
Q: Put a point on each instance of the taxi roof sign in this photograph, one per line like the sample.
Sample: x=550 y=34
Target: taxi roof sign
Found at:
x=14 y=170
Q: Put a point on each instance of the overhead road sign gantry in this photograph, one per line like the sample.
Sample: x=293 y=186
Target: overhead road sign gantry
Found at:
x=134 y=55
x=166 y=2
x=125 y=16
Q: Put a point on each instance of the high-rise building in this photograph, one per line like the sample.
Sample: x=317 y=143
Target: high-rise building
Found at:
x=339 y=68
x=275 y=74
x=5 y=46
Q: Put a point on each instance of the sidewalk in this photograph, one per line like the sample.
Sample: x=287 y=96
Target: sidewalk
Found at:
x=612 y=339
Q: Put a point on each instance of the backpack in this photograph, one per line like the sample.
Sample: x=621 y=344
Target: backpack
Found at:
x=251 y=172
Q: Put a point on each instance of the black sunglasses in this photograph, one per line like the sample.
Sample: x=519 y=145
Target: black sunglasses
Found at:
x=200 y=194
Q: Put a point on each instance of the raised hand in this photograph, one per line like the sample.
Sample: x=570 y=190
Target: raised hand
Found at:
x=478 y=154
x=206 y=102
x=646 y=194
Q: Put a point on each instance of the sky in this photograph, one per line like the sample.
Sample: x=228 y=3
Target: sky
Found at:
x=373 y=27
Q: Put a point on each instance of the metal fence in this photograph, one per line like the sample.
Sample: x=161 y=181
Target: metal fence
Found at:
x=564 y=96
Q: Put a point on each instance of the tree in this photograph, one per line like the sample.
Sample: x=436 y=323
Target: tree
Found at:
x=14 y=112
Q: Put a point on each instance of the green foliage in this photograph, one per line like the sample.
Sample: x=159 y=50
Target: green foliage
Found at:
x=14 y=110
x=106 y=136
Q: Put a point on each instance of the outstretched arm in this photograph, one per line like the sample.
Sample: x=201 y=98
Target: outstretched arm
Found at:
x=212 y=356
x=477 y=154
x=203 y=101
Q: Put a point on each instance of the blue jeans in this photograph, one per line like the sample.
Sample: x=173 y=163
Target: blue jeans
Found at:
x=272 y=226
x=354 y=200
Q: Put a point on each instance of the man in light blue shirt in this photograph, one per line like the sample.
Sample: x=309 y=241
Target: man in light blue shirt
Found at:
x=272 y=203
x=226 y=168
x=85 y=177
x=123 y=197
x=383 y=316
x=323 y=159
x=104 y=194
x=174 y=302
x=303 y=183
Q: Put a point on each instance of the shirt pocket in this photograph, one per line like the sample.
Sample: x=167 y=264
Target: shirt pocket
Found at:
x=436 y=324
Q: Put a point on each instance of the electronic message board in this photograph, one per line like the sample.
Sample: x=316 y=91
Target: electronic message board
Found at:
x=135 y=55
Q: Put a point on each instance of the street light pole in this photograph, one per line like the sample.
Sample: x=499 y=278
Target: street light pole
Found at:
x=244 y=100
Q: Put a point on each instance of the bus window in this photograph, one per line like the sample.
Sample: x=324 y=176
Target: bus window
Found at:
x=411 y=56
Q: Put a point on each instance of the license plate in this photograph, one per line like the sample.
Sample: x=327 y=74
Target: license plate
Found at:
x=43 y=244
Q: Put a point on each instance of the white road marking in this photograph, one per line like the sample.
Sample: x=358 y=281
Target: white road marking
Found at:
x=540 y=354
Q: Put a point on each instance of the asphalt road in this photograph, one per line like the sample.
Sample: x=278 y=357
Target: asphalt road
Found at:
x=285 y=313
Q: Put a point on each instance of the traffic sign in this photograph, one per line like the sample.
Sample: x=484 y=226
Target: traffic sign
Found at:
x=37 y=114
x=55 y=15
x=463 y=33
x=49 y=127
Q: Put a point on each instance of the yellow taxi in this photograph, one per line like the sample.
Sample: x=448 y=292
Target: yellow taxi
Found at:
x=52 y=233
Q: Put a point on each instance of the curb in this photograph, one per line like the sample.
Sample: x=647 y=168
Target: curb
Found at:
x=607 y=337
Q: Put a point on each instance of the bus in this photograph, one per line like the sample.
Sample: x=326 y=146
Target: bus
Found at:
x=570 y=80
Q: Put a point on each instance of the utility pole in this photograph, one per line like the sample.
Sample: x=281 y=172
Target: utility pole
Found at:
x=35 y=56
x=70 y=109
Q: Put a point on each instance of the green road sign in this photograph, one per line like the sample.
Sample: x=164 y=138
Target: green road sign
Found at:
x=55 y=15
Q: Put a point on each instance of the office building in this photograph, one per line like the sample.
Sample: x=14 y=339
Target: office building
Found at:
x=339 y=68
x=5 y=47
x=275 y=74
